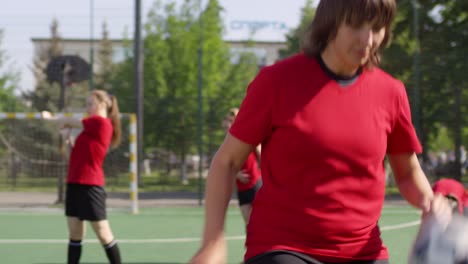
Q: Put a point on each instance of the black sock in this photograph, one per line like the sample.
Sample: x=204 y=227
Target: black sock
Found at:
x=113 y=252
x=74 y=251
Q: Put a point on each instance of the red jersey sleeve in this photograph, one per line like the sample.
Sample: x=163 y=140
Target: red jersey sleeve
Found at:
x=254 y=121
x=96 y=127
x=403 y=138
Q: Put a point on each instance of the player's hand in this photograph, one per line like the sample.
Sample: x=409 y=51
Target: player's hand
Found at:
x=243 y=177
x=440 y=209
x=213 y=254
x=47 y=115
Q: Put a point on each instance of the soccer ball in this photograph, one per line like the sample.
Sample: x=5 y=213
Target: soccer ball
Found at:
x=439 y=243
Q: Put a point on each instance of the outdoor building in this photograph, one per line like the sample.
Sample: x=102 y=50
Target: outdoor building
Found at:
x=266 y=51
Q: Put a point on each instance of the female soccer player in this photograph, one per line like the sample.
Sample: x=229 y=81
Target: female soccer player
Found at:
x=248 y=179
x=85 y=194
x=325 y=119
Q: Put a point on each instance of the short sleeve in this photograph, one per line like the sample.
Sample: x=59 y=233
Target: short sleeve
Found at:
x=403 y=138
x=95 y=127
x=254 y=121
x=91 y=125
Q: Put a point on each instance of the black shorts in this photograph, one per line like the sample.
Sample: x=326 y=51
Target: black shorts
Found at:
x=86 y=202
x=247 y=196
x=289 y=257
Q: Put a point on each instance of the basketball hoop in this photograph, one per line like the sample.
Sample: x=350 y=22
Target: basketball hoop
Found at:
x=68 y=69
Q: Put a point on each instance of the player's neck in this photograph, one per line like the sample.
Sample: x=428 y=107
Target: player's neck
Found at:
x=334 y=64
x=101 y=113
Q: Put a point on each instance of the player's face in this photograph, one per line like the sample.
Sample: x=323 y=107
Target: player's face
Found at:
x=92 y=105
x=227 y=122
x=353 y=45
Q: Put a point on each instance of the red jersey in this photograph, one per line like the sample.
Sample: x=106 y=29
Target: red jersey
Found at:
x=323 y=149
x=251 y=168
x=454 y=188
x=89 y=151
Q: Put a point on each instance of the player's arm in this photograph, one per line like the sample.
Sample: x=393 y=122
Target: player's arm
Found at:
x=220 y=182
x=411 y=180
x=414 y=186
x=63 y=121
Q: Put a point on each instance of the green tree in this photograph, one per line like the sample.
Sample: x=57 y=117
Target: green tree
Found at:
x=170 y=74
x=225 y=75
x=399 y=60
x=18 y=142
x=293 y=38
x=45 y=96
x=171 y=46
x=8 y=83
x=442 y=141
x=442 y=87
x=121 y=80
x=104 y=72
x=452 y=26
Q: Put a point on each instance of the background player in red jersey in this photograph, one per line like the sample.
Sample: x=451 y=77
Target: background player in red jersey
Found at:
x=325 y=118
x=455 y=192
x=85 y=196
x=444 y=240
x=248 y=179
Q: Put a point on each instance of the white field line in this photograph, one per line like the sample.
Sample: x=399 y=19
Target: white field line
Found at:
x=401 y=212
x=123 y=241
x=166 y=240
x=400 y=226
x=175 y=213
x=48 y=212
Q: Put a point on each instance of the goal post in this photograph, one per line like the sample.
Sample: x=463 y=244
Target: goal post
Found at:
x=133 y=163
x=31 y=157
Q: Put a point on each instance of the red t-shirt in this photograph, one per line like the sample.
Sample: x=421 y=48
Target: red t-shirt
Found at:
x=251 y=168
x=323 y=148
x=454 y=188
x=89 y=151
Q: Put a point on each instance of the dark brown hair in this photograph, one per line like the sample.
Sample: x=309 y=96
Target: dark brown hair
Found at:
x=330 y=14
x=112 y=112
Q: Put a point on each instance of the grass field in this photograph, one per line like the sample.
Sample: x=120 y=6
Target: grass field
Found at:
x=156 y=236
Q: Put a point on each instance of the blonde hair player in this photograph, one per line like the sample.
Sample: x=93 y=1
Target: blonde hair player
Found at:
x=85 y=195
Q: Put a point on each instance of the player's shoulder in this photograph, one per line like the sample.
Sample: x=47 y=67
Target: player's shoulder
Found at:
x=98 y=120
x=388 y=84
x=292 y=64
x=94 y=118
x=383 y=77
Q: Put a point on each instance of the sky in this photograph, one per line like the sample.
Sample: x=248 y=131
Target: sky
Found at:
x=22 y=20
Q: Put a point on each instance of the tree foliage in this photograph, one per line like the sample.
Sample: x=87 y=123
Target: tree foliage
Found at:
x=442 y=45
x=8 y=83
x=105 y=64
x=45 y=95
x=174 y=35
x=293 y=38
x=439 y=97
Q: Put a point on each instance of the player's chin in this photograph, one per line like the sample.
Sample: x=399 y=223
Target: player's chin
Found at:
x=356 y=62
x=363 y=61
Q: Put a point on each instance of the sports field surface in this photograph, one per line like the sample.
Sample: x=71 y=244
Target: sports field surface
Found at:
x=155 y=235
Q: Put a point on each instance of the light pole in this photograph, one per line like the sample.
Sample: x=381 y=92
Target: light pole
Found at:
x=138 y=86
x=91 y=43
x=200 y=105
x=416 y=66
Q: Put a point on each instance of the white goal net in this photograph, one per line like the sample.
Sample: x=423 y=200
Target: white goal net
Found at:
x=34 y=155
